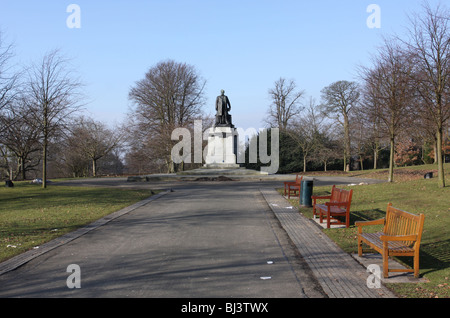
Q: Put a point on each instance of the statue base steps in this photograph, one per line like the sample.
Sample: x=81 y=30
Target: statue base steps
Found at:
x=222 y=170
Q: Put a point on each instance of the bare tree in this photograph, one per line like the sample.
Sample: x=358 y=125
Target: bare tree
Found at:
x=94 y=140
x=390 y=86
x=429 y=46
x=372 y=136
x=302 y=132
x=338 y=101
x=170 y=96
x=426 y=132
x=285 y=104
x=327 y=149
x=72 y=163
x=8 y=79
x=20 y=135
x=54 y=95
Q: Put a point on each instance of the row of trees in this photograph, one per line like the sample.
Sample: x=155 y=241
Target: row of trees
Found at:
x=403 y=97
x=40 y=121
x=400 y=101
x=42 y=131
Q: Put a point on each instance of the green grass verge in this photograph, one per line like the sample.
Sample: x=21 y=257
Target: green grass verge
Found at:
x=31 y=216
x=416 y=196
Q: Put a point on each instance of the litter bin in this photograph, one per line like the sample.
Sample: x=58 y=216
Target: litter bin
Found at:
x=306 y=193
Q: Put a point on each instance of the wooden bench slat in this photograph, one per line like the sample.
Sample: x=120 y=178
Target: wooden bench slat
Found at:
x=394 y=246
x=334 y=209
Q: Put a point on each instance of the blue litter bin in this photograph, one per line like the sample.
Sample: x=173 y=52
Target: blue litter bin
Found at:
x=306 y=193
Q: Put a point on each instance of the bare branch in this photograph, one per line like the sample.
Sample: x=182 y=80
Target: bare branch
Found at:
x=285 y=104
x=54 y=94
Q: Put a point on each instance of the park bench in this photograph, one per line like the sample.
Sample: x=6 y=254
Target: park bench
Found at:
x=401 y=236
x=339 y=204
x=293 y=187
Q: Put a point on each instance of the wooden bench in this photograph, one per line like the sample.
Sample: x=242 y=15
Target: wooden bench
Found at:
x=293 y=187
x=401 y=236
x=339 y=204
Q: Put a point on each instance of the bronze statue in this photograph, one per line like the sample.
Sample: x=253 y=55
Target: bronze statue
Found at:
x=223 y=106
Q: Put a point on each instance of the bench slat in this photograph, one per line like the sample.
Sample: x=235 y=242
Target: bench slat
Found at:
x=393 y=246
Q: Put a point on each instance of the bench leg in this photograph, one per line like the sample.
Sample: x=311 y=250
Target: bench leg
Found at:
x=416 y=265
x=328 y=219
x=385 y=261
x=359 y=246
x=314 y=207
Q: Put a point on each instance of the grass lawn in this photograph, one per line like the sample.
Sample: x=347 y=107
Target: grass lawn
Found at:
x=31 y=216
x=415 y=195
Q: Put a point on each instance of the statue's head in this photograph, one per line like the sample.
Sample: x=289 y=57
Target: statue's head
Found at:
x=222 y=91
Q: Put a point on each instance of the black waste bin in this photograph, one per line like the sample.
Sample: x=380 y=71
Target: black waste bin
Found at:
x=306 y=193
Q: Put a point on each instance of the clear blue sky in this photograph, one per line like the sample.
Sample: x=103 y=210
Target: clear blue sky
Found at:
x=241 y=46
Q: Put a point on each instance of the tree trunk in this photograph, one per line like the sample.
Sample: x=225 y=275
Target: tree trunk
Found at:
x=391 y=160
x=375 y=159
x=94 y=167
x=440 y=158
x=22 y=168
x=347 y=160
x=170 y=166
x=435 y=161
x=304 y=163
x=44 y=163
x=44 y=150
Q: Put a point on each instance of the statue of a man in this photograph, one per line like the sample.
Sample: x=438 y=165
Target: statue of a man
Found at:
x=223 y=106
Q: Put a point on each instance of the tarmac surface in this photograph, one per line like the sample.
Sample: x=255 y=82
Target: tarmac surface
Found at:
x=197 y=239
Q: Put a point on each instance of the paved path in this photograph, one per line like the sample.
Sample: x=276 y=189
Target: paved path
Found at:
x=338 y=273
x=207 y=241
x=218 y=239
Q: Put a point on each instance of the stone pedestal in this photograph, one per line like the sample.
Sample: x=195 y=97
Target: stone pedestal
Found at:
x=222 y=148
